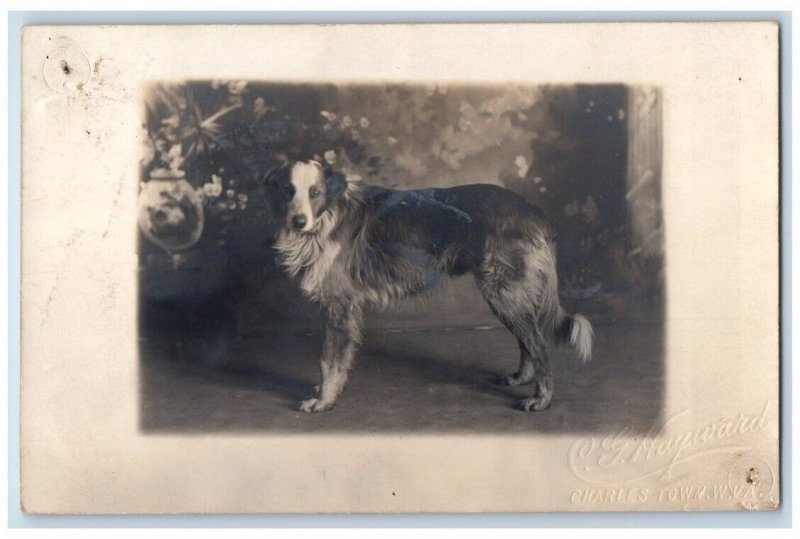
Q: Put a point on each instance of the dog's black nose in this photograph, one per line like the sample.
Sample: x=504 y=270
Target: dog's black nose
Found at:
x=299 y=221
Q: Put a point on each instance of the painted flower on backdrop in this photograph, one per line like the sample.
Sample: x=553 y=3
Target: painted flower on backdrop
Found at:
x=214 y=187
x=213 y=193
x=522 y=166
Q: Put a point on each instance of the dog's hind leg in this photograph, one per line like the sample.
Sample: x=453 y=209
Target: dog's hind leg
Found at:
x=519 y=317
x=520 y=285
x=534 y=362
x=543 y=377
x=342 y=335
x=524 y=374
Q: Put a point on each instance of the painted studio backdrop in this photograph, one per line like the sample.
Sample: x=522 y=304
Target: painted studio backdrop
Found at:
x=220 y=321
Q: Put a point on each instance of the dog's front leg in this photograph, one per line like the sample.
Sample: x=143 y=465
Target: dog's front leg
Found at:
x=342 y=335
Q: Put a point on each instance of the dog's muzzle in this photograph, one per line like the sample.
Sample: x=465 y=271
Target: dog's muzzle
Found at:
x=299 y=222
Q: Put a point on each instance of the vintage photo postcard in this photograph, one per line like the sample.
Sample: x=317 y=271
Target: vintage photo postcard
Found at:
x=400 y=268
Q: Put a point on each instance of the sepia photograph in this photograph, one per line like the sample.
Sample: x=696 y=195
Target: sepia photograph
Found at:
x=400 y=268
x=449 y=253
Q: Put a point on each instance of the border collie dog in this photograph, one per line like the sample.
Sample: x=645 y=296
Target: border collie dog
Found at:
x=351 y=246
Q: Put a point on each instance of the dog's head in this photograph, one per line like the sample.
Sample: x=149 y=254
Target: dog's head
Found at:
x=303 y=191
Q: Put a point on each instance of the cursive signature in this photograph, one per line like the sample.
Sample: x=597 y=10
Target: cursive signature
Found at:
x=628 y=454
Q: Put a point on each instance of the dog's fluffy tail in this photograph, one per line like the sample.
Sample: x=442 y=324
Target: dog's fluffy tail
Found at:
x=559 y=325
x=577 y=331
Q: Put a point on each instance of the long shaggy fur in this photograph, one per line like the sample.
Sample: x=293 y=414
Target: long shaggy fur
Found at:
x=354 y=246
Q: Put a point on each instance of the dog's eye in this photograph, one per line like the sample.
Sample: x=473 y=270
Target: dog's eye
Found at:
x=288 y=190
x=314 y=192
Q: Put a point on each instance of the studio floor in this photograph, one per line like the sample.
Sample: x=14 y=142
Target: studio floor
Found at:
x=404 y=380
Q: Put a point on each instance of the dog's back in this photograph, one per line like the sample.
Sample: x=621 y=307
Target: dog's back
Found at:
x=453 y=226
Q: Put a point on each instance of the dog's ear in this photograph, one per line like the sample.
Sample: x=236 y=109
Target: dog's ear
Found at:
x=272 y=187
x=273 y=177
x=335 y=182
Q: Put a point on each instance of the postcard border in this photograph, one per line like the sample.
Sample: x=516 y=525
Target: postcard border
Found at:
x=17 y=519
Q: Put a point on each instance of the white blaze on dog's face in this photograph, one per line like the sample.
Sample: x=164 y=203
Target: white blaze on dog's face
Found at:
x=308 y=184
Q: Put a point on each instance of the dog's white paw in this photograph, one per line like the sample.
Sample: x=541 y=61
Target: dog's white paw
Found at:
x=315 y=405
x=534 y=404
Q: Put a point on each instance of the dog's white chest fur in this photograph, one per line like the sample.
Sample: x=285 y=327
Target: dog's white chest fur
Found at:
x=315 y=274
x=308 y=257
